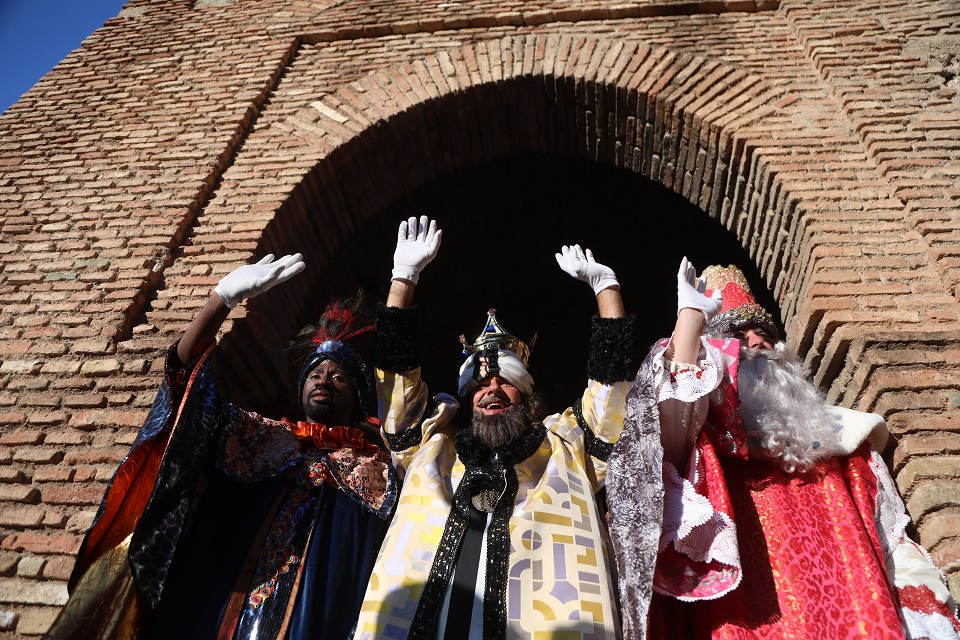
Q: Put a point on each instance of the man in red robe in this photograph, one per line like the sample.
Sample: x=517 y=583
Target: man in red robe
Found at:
x=780 y=519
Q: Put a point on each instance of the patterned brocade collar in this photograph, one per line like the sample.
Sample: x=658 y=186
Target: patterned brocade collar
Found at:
x=341 y=457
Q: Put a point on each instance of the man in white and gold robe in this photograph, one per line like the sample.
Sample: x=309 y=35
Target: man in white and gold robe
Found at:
x=498 y=533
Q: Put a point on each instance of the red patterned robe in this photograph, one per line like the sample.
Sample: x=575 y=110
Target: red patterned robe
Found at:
x=748 y=550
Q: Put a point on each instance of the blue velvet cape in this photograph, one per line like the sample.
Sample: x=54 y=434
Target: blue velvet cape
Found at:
x=244 y=542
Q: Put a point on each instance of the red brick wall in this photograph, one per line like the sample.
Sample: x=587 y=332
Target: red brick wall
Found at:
x=181 y=140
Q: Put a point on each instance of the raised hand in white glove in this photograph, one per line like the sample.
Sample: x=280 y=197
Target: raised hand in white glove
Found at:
x=251 y=280
x=417 y=244
x=581 y=265
x=690 y=292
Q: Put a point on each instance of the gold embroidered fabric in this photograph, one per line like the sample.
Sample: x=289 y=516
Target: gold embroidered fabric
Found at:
x=559 y=579
x=104 y=605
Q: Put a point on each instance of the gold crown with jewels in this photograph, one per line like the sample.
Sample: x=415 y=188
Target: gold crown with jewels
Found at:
x=494 y=336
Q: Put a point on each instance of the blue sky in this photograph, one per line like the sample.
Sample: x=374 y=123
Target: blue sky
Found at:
x=37 y=34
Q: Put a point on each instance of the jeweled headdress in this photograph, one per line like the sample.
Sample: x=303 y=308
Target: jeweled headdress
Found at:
x=740 y=308
x=494 y=336
x=495 y=352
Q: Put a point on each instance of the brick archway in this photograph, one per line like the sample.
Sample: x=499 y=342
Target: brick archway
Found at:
x=183 y=138
x=730 y=143
x=679 y=120
x=798 y=190
x=791 y=180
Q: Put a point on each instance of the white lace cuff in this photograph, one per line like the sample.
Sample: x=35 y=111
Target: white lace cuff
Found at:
x=687 y=382
x=681 y=367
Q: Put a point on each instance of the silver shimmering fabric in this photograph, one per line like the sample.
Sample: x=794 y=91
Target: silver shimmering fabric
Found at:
x=635 y=501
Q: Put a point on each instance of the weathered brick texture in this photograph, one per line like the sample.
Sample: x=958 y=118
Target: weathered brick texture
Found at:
x=188 y=136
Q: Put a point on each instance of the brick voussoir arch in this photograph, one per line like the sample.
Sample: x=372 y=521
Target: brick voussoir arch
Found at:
x=679 y=119
x=707 y=130
x=712 y=132
x=704 y=129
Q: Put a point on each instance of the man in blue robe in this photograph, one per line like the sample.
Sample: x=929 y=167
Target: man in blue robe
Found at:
x=221 y=523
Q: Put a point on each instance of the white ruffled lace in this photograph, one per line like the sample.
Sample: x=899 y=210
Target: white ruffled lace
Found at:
x=909 y=564
x=928 y=625
x=690 y=522
x=688 y=386
x=891 y=516
x=681 y=516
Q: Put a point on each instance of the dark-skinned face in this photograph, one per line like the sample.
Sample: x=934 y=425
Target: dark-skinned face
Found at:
x=328 y=395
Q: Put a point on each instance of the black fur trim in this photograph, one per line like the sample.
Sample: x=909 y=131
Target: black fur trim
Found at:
x=471 y=451
x=396 y=339
x=407 y=438
x=596 y=447
x=614 y=349
x=411 y=436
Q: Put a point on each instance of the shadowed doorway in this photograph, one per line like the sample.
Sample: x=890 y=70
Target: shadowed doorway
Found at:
x=502 y=223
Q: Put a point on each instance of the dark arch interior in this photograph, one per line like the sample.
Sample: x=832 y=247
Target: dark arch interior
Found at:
x=502 y=223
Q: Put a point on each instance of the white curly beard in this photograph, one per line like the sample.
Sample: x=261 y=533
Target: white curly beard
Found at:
x=783 y=412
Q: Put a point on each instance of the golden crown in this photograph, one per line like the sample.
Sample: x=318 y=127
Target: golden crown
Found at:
x=494 y=336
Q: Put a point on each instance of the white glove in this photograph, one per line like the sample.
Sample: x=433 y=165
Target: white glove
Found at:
x=253 y=279
x=581 y=265
x=690 y=292
x=417 y=245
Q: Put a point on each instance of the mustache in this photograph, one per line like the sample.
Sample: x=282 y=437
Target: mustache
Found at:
x=330 y=389
x=494 y=399
x=783 y=411
x=771 y=355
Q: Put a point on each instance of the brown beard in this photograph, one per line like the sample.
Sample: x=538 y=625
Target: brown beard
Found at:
x=497 y=430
